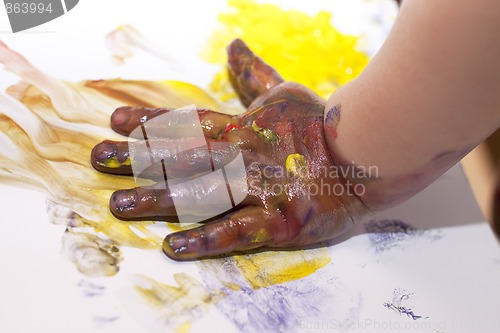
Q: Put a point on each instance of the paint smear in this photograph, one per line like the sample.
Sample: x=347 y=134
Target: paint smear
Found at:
x=123 y=40
x=247 y=284
x=303 y=48
x=399 y=298
x=281 y=307
x=92 y=255
x=388 y=234
x=48 y=128
x=174 y=307
x=271 y=268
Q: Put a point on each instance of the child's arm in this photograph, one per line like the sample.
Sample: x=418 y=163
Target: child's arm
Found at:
x=430 y=95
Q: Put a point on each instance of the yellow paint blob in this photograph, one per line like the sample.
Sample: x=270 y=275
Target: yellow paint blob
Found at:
x=296 y=164
x=271 y=268
x=305 y=49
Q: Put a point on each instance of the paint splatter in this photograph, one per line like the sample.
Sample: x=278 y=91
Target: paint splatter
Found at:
x=401 y=296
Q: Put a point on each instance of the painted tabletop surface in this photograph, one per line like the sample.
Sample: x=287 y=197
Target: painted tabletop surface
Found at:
x=429 y=265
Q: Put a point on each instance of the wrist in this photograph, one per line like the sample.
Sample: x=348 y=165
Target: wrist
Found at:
x=358 y=174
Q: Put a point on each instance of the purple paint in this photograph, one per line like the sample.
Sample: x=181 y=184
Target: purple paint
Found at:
x=387 y=234
x=400 y=296
x=90 y=289
x=281 y=308
x=333 y=115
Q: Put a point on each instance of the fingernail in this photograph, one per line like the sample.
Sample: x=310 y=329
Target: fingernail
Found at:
x=124 y=199
x=177 y=243
x=121 y=116
x=104 y=151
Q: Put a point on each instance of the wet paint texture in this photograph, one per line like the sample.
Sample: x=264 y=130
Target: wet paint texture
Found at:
x=296 y=164
x=81 y=202
x=282 y=129
x=289 y=40
x=268 y=269
x=265 y=134
x=48 y=127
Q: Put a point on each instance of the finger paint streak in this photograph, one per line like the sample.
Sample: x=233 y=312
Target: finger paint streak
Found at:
x=174 y=307
x=47 y=130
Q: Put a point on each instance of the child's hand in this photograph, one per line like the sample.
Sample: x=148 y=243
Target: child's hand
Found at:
x=294 y=194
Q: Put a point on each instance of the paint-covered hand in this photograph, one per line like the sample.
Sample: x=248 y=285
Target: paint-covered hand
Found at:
x=293 y=193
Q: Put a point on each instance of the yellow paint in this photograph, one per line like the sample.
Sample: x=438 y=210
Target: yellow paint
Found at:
x=296 y=164
x=261 y=236
x=114 y=163
x=271 y=268
x=57 y=147
x=183 y=328
x=176 y=305
x=264 y=134
x=232 y=286
x=305 y=49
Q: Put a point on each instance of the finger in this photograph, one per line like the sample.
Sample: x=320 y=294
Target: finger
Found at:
x=125 y=119
x=249 y=75
x=248 y=228
x=111 y=157
x=143 y=203
x=201 y=197
x=160 y=159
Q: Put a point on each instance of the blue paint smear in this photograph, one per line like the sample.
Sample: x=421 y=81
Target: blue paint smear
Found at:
x=90 y=289
x=319 y=299
x=386 y=234
x=333 y=115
